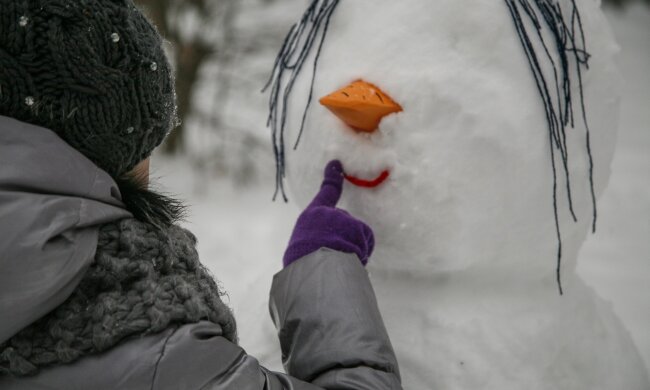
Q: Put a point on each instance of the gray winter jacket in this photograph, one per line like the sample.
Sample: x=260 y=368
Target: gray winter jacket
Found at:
x=52 y=201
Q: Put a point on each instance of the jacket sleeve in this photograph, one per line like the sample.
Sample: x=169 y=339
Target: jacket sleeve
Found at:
x=198 y=357
x=331 y=332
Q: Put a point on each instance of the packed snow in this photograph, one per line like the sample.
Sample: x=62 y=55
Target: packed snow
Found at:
x=242 y=234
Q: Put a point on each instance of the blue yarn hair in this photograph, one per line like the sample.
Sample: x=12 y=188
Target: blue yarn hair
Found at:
x=303 y=36
x=547 y=16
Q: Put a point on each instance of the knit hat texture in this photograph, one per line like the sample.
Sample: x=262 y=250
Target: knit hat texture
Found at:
x=93 y=71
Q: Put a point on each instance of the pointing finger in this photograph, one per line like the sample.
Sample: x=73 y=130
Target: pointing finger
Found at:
x=330 y=190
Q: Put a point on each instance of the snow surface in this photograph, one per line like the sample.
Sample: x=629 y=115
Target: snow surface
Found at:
x=242 y=235
x=616 y=261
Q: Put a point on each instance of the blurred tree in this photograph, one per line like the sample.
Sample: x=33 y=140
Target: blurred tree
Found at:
x=198 y=31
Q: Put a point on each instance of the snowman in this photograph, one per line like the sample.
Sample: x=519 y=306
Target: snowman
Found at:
x=476 y=138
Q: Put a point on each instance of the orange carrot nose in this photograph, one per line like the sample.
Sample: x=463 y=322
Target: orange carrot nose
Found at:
x=361 y=105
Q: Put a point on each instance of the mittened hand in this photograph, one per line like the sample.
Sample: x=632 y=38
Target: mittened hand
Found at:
x=322 y=225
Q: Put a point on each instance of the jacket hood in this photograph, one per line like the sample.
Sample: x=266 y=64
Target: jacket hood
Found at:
x=52 y=202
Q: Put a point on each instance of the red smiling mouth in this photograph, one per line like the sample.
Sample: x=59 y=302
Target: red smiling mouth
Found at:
x=368 y=183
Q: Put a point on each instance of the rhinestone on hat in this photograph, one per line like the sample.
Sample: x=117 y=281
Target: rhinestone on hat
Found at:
x=29 y=100
x=130 y=130
x=23 y=21
x=153 y=66
x=115 y=37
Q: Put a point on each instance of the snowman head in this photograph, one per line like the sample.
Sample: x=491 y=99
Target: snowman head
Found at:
x=486 y=136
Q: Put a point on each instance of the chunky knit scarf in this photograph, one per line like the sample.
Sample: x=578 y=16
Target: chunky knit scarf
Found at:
x=143 y=281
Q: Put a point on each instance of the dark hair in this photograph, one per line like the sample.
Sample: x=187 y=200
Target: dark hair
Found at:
x=149 y=206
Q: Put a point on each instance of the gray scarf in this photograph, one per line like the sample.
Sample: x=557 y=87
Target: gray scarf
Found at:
x=142 y=281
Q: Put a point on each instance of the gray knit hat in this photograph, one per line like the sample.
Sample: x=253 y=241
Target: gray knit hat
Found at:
x=93 y=71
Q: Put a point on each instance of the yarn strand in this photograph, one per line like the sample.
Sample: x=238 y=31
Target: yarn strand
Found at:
x=299 y=43
x=547 y=18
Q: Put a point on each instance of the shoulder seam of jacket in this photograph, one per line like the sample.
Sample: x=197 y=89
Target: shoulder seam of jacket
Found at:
x=162 y=353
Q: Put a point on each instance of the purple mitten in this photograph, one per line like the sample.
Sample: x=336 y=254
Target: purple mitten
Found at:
x=322 y=225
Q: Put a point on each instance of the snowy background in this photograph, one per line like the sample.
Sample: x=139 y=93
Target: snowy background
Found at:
x=226 y=175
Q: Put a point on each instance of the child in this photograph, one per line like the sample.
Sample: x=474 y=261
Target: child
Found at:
x=98 y=285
